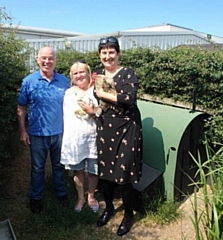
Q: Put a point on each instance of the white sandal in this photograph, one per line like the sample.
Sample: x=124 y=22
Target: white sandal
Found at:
x=79 y=209
x=94 y=208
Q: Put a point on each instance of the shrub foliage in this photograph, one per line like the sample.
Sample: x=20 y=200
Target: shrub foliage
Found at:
x=184 y=74
x=181 y=74
x=13 y=67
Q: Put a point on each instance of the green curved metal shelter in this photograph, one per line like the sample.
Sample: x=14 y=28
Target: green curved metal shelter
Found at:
x=169 y=134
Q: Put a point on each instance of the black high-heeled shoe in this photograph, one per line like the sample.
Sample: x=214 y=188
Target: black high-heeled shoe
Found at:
x=104 y=218
x=125 y=226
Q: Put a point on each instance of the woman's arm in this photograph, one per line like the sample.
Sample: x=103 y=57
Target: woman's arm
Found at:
x=127 y=89
x=88 y=108
x=127 y=94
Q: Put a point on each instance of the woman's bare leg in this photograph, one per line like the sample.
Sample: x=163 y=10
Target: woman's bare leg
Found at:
x=92 y=185
x=79 y=177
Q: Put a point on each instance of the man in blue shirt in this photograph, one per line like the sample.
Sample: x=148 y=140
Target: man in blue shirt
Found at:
x=43 y=92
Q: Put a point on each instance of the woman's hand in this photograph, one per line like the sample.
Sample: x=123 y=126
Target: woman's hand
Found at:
x=106 y=96
x=99 y=92
x=88 y=108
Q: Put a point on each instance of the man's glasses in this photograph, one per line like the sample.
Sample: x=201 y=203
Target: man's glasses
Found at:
x=108 y=39
x=79 y=61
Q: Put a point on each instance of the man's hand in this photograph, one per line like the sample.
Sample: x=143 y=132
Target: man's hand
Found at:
x=24 y=138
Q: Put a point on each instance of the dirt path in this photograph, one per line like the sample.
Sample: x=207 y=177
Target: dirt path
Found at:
x=181 y=229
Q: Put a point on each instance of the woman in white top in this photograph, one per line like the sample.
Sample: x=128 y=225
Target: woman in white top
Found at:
x=79 y=150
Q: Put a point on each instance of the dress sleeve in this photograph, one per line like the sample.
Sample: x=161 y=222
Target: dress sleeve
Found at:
x=127 y=95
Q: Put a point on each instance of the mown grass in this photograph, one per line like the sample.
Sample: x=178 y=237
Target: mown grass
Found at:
x=55 y=221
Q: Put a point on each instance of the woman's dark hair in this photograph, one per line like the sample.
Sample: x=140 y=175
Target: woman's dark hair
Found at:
x=109 y=42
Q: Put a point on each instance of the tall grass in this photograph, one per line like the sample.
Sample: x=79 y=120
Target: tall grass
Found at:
x=208 y=219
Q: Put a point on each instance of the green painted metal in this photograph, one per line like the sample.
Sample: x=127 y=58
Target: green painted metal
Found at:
x=163 y=132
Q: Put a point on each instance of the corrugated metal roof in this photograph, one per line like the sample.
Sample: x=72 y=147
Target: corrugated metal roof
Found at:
x=127 y=40
x=162 y=40
x=170 y=25
x=36 y=32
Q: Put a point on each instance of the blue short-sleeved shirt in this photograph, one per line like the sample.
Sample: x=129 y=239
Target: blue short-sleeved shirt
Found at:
x=45 y=103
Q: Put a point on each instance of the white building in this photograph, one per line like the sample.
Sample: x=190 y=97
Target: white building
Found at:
x=164 y=36
x=40 y=33
x=174 y=28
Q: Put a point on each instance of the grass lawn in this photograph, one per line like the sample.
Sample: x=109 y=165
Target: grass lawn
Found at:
x=56 y=222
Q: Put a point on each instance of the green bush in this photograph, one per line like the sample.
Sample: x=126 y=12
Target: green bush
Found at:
x=66 y=57
x=179 y=73
x=14 y=54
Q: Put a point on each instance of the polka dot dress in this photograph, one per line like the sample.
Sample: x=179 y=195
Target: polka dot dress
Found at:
x=119 y=134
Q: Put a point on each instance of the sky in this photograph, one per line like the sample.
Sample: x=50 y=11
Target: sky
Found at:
x=101 y=16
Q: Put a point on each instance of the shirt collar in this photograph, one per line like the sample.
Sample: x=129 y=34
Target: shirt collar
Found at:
x=40 y=77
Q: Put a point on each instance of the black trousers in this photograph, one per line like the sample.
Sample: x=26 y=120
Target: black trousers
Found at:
x=126 y=192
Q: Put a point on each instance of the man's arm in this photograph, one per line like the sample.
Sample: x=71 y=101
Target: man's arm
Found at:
x=21 y=115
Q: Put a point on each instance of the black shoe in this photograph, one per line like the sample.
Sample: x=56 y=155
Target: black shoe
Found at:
x=125 y=226
x=104 y=218
x=35 y=206
x=63 y=200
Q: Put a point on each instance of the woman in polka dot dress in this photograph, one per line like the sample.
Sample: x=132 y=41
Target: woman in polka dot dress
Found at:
x=119 y=135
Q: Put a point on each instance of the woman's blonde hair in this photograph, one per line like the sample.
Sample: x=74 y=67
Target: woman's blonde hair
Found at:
x=86 y=67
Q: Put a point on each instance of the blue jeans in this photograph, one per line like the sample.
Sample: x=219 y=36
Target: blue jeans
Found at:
x=39 y=148
x=89 y=164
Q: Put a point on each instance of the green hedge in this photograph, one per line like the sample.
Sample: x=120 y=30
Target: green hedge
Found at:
x=176 y=73
x=14 y=54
